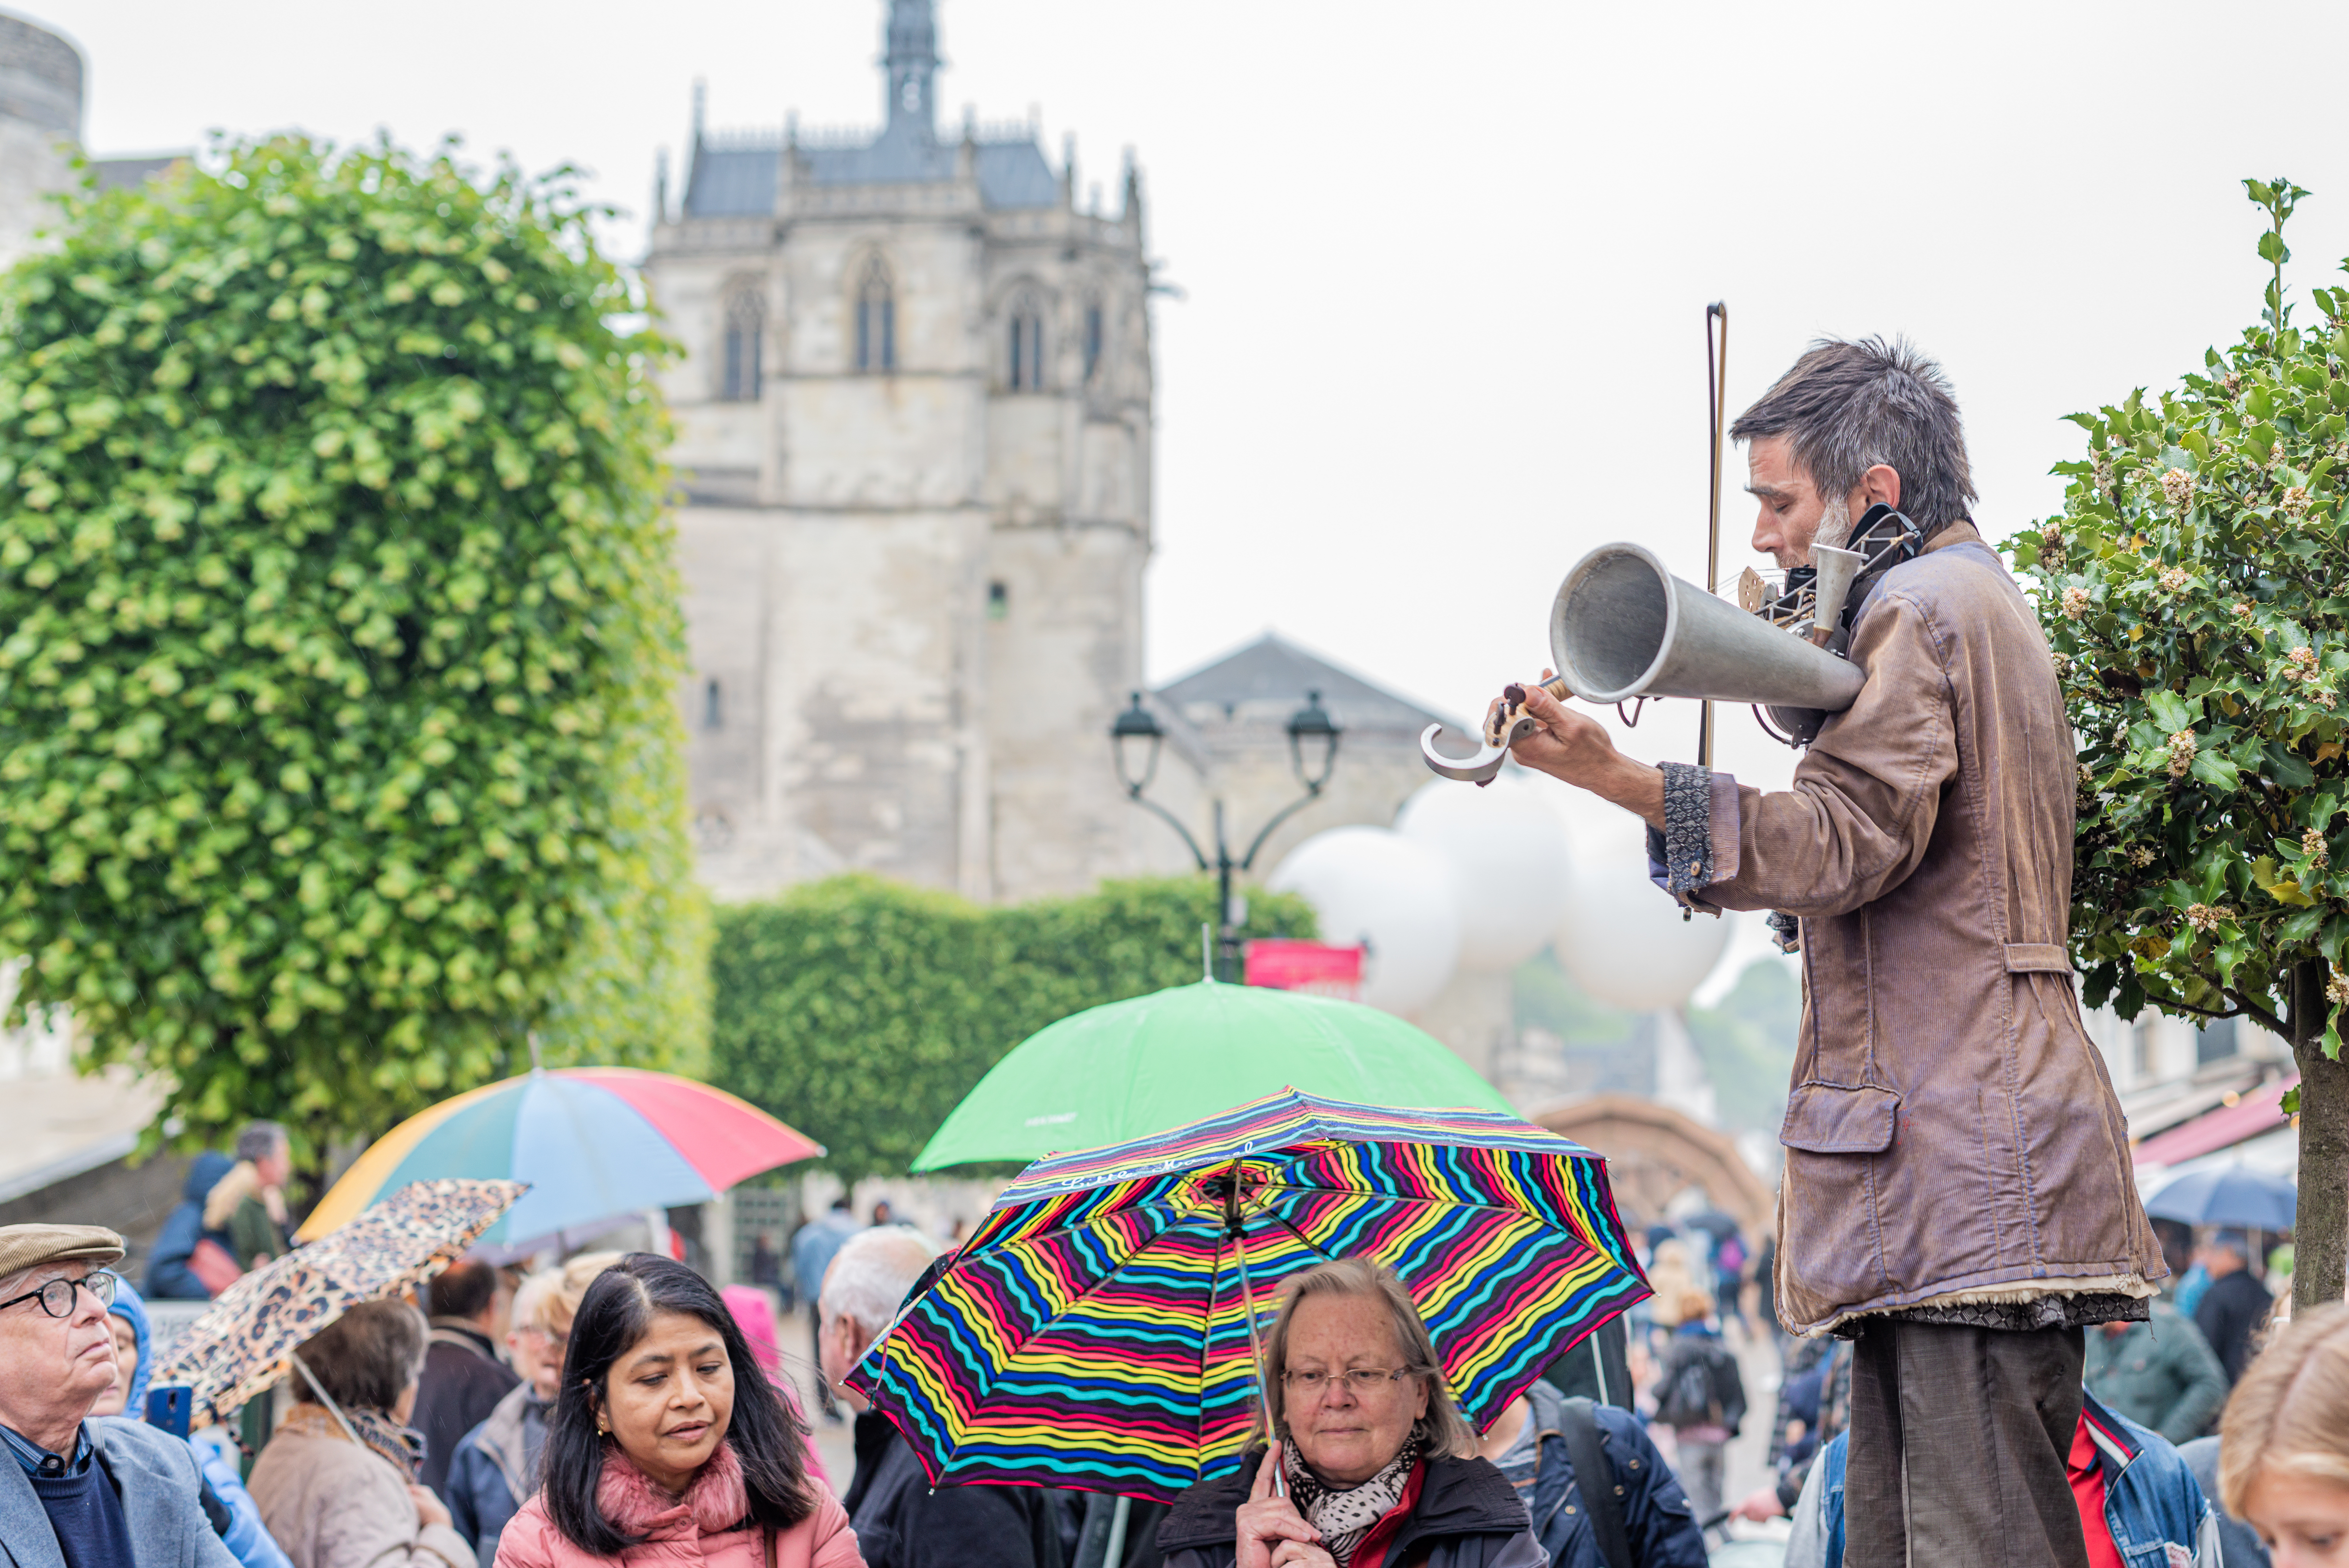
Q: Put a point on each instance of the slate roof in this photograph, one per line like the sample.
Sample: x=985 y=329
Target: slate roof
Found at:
x=1273 y=673
x=738 y=179
x=128 y=173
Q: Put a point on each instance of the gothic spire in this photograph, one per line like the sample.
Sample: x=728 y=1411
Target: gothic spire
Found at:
x=913 y=66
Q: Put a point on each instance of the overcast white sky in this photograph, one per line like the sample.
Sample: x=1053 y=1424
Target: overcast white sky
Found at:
x=1446 y=264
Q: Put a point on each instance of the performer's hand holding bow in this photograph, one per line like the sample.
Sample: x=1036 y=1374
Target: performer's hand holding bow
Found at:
x=1576 y=748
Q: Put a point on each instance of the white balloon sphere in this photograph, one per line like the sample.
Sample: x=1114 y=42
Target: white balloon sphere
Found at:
x=1515 y=861
x=1622 y=939
x=1373 y=885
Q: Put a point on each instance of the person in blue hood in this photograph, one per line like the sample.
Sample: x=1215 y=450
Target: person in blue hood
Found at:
x=168 y=1278
x=243 y=1536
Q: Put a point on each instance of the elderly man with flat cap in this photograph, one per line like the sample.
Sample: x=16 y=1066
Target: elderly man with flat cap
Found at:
x=77 y=1492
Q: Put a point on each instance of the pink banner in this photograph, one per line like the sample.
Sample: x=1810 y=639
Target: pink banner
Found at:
x=1287 y=965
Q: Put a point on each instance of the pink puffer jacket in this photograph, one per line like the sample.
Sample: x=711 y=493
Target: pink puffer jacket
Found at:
x=694 y=1531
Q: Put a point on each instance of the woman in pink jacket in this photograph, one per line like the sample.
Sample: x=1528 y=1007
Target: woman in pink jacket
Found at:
x=661 y=1454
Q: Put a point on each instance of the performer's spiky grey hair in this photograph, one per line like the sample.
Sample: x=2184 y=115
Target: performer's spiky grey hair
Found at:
x=1847 y=407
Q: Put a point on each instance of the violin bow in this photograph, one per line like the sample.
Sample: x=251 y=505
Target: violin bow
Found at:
x=1716 y=376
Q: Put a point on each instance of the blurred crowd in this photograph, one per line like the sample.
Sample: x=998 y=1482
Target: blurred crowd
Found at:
x=441 y=1432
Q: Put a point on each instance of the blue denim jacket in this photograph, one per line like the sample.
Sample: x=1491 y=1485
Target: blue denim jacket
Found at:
x=2157 y=1513
x=1655 y=1513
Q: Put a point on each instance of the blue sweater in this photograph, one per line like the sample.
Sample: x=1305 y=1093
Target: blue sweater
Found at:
x=87 y=1517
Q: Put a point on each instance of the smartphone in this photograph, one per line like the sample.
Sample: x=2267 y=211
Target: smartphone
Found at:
x=167 y=1405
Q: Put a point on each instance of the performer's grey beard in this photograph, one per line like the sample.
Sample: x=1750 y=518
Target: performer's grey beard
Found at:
x=1835 y=524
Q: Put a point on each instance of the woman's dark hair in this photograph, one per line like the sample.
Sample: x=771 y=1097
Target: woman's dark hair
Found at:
x=366 y=1358
x=616 y=1312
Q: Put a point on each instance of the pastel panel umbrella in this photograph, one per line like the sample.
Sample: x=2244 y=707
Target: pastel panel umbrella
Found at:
x=1128 y=1069
x=244 y=1341
x=1096 y=1330
x=592 y=1142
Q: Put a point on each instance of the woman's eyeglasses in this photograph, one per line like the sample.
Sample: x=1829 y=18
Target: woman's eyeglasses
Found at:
x=1363 y=1382
x=57 y=1297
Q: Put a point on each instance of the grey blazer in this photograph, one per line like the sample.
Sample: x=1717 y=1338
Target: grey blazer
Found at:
x=156 y=1479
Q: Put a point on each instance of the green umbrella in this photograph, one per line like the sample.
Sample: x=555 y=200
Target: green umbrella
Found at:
x=1124 y=1071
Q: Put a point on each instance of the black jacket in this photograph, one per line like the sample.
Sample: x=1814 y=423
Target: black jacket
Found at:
x=1468 y=1516
x=901 y=1523
x=463 y=1381
x=2231 y=1310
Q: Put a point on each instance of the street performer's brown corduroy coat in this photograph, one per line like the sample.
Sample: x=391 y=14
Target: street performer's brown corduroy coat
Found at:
x=1951 y=1133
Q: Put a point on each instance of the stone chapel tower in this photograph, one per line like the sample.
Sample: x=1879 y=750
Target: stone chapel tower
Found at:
x=913 y=436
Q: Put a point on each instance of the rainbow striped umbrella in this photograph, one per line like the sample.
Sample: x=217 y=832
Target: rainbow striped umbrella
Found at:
x=593 y=1142
x=1092 y=1332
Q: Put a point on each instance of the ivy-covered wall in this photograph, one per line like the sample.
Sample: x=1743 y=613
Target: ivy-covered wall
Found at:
x=861 y=1011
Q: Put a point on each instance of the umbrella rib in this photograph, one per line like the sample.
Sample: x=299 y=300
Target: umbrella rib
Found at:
x=1207 y=1339
x=1109 y=1274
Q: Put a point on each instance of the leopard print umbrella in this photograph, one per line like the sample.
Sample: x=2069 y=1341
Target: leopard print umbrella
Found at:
x=242 y=1344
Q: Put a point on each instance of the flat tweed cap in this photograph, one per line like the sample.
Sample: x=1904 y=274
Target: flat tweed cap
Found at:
x=25 y=1247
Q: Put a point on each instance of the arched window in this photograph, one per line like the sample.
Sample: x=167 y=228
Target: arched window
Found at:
x=713 y=706
x=1027 y=360
x=876 y=320
x=746 y=322
x=1095 y=338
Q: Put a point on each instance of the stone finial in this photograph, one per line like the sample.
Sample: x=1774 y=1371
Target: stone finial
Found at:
x=660 y=186
x=700 y=107
x=1069 y=170
x=911 y=63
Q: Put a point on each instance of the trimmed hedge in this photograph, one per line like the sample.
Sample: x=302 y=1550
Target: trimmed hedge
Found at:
x=862 y=1010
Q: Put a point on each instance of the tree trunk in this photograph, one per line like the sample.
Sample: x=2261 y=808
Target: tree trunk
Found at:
x=2320 y=1236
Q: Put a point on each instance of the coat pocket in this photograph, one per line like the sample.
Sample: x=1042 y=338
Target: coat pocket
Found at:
x=1840 y=1118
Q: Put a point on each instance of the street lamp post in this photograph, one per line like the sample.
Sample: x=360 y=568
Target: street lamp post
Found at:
x=1312 y=755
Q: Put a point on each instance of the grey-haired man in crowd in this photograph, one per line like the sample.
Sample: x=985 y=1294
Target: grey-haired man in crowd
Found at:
x=77 y=1492
x=1957 y=1197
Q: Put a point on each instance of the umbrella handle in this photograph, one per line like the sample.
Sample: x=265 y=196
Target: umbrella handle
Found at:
x=1247 y=1309
x=326 y=1400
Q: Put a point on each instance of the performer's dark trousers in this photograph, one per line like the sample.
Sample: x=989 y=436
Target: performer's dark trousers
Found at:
x=1958 y=1441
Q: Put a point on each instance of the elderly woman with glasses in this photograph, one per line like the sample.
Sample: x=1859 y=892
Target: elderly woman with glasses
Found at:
x=1379 y=1468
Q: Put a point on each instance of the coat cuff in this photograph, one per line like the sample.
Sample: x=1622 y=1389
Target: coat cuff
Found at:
x=1687 y=827
x=1698 y=844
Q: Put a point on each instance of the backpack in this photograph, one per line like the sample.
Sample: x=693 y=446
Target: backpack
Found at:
x=1703 y=1387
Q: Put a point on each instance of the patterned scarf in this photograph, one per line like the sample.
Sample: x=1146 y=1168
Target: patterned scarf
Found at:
x=1343 y=1518
x=402 y=1446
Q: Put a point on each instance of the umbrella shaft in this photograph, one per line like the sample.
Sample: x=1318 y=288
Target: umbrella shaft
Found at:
x=1256 y=1348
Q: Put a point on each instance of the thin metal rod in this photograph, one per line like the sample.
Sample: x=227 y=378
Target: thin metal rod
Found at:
x=1716 y=375
x=1113 y=1556
x=1247 y=1309
x=326 y=1400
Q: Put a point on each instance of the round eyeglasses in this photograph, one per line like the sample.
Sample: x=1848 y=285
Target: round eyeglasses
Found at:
x=1363 y=1382
x=57 y=1297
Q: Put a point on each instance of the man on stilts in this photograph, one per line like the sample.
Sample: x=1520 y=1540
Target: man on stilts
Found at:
x=1957 y=1197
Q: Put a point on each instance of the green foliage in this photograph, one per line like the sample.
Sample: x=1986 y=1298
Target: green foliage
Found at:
x=862 y=1010
x=338 y=745
x=2195 y=589
x=1747 y=1042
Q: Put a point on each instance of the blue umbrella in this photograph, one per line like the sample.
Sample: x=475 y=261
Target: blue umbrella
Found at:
x=2230 y=1195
